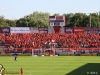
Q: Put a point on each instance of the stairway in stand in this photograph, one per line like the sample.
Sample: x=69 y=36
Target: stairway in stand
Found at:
x=2 y=50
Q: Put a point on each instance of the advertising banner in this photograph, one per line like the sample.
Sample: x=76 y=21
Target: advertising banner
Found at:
x=34 y=30
x=5 y=30
x=78 y=29
x=88 y=30
x=0 y=30
x=43 y=30
x=19 y=30
x=97 y=30
x=68 y=30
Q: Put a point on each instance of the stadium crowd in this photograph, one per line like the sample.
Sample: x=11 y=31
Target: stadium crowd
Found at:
x=63 y=40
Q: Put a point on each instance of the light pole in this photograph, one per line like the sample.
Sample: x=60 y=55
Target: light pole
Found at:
x=90 y=19
x=98 y=18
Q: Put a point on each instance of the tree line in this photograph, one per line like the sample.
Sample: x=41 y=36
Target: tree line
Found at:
x=41 y=19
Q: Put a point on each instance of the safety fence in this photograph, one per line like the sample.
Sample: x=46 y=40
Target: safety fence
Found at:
x=52 y=52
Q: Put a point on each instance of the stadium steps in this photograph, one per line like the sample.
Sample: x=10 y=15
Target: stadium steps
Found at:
x=2 y=50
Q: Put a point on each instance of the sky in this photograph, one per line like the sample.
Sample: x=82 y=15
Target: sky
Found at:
x=16 y=9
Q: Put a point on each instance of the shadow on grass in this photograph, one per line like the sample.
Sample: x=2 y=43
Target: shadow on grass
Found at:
x=87 y=69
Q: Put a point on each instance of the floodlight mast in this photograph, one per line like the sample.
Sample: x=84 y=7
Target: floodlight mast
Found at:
x=91 y=16
x=90 y=19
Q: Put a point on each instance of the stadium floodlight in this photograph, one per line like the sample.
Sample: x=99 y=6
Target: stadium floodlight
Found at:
x=90 y=19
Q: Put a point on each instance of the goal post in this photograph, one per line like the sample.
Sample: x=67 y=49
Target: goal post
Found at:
x=41 y=52
x=32 y=52
x=35 y=52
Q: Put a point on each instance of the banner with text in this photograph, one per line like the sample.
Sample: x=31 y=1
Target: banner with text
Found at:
x=43 y=30
x=89 y=30
x=5 y=30
x=68 y=30
x=0 y=30
x=19 y=30
x=96 y=30
x=78 y=29
x=34 y=30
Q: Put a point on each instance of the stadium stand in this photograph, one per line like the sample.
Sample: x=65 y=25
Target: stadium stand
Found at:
x=26 y=42
x=48 y=40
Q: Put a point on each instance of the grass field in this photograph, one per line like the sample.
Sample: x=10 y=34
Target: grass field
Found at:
x=61 y=65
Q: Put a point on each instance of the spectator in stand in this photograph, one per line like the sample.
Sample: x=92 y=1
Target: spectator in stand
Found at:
x=38 y=40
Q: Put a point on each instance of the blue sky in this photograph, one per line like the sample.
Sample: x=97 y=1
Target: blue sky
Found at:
x=15 y=9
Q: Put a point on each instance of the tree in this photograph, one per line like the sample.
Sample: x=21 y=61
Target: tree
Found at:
x=68 y=18
x=11 y=23
x=78 y=20
x=3 y=22
x=41 y=19
x=6 y=22
x=37 y=19
x=95 y=20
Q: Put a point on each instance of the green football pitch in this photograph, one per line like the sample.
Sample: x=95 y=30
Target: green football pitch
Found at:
x=59 y=65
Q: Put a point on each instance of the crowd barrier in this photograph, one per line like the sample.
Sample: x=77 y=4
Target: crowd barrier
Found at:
x=55 y=51
x=63 y=49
